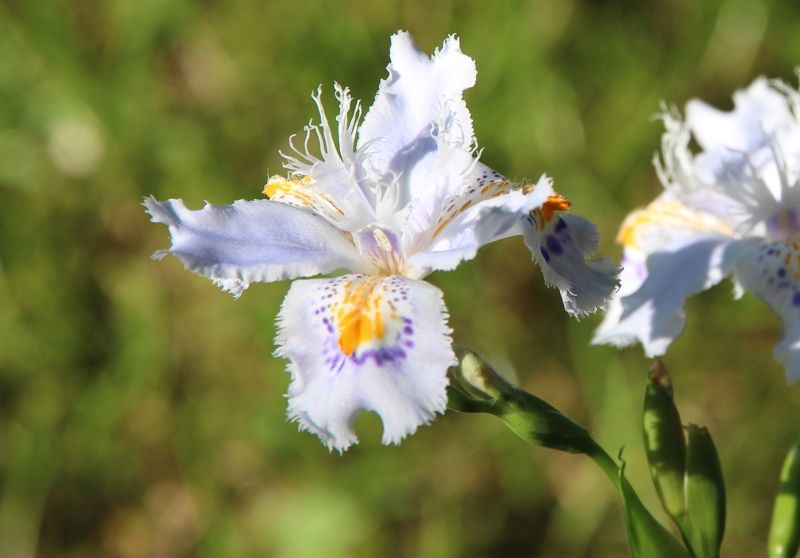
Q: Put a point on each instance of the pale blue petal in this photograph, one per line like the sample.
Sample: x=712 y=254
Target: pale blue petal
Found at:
x=654 y=313
x=772 y=273
x=235 y=245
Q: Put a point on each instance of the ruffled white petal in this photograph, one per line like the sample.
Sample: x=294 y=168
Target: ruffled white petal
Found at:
x=772 y=273
x=411 y=99
x=654 y=312
x=758 y=111
x=611 y=330
x=361 y=343
x=748 y=151
x=419 y=134
x=261 y=240
x=561 y=247
x=663 y=226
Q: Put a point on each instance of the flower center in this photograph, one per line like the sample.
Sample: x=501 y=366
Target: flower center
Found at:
x=381 y=249
x=784 y=224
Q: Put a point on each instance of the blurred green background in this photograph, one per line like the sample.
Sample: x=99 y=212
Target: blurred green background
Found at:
x=141 y=411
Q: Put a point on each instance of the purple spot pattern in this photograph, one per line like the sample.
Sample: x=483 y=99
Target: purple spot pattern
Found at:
x=398 y=339
x=779 y=279
x=554 y=245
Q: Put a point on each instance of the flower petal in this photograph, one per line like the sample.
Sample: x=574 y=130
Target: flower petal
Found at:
x=359 y=343
x=419 y=134
x=655 y=286
x=759 y=111
x=743 y=148
x=261 y=240
x=411 y=98
x=560 y=246
x=491 y=209
x=663 y=227
x=772 y=273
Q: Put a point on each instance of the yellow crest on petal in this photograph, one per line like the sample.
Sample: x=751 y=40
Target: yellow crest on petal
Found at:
x=667 y=213
x=300 y=193
x=359 y=313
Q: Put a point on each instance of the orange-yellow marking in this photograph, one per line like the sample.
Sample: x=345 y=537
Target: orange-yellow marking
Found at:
x=300 y=193
x=280 y=185
x=554 y=203
x=358 y=316
x=665 y=213
x=450 y=212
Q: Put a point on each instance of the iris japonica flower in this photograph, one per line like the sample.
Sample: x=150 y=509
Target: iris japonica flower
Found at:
x=733 y=208
x=389 y=201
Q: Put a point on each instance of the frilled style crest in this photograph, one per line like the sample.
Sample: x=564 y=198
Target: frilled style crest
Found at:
x=388 y=200
x=731 y=209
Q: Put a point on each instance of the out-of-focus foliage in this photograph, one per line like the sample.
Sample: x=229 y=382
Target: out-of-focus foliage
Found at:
x=141 y=411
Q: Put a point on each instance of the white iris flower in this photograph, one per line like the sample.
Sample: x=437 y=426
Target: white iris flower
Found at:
x=732 y=209
x=396 y=198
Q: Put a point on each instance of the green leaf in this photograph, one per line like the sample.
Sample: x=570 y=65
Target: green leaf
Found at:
x=784 y=534
x=704 y=522
x=646 y=536
x=664 y=442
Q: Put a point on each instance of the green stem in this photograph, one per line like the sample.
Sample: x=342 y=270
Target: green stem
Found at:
x=606 y=463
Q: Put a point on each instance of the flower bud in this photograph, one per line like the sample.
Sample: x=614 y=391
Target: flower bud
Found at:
x=476 y=377
x=704 y=523
x=477 y=387
x=664 y=442
x=784 y=534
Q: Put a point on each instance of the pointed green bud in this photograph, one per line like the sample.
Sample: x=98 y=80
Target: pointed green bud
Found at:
x=477 y=387
x=478 y=379
x=664 y=442
x=784 y=534
x=704 y=523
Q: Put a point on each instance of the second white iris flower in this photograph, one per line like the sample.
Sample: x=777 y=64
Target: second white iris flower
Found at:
x=731 y=209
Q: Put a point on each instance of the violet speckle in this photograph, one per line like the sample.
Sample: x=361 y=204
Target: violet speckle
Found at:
x=545 y=254
x=554 y=245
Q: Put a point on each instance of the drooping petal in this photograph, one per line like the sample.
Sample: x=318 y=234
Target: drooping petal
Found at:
x=249 y=241
x=363 y=343
x=561 y=246
x=772 y=273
